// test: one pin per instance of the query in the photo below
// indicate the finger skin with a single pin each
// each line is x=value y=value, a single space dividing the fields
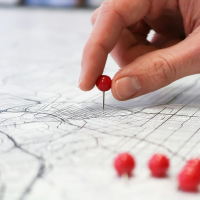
x=94 y=16
x=161 y=67
x=113 y=17
x=134 y=36
x=117 y=28
x=131 y=43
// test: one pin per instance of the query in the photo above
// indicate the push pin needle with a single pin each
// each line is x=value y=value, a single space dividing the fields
x=103 y=99
x=104 y=84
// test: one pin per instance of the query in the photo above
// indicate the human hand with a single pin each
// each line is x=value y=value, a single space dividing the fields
x=121 y=28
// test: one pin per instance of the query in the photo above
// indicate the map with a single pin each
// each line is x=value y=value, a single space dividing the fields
x=57 y=143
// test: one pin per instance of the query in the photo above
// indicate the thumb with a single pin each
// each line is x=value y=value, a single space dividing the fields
x=158 y=69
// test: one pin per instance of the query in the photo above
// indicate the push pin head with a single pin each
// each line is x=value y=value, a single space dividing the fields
x=189 y=178
x=159 y=165
x=104 y=84
x=124 y=164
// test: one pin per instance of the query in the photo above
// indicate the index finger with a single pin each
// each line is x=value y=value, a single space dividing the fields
x=113 y=17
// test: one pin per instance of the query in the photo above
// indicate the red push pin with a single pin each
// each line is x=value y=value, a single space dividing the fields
x=124 y=164
x=189 y=178
x=159 y=165
x=195 y=162
x=104 y=84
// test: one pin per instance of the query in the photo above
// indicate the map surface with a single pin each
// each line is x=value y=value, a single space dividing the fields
x=56 y=142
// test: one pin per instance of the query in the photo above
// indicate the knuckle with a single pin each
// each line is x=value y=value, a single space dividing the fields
x=161 y=71
x=113 y=6
x=93 y=18
x=105 y=8
x=107 y=5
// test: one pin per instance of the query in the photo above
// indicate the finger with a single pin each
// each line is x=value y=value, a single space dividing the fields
x=125 y=51
x=157 y=69
x=131 y=54
x=132 y=44
x=140 y=28
x=113 y=17
x=161 y=41
x=129 y=47
x=94 y=16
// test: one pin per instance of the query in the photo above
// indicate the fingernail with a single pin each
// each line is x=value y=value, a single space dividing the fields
x=80 y=80
x=127 y=87
x=79 y=83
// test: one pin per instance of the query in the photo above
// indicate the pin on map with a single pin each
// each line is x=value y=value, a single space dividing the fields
x=124 y=164
x=104 y=84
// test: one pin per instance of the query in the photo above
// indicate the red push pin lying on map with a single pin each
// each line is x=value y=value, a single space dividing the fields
x=124 y=164
x=195 y=162
x=104 y=84
x=159 y=165
x=189 y=177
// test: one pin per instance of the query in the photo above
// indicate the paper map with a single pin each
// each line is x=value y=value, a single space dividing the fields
x=56 y=142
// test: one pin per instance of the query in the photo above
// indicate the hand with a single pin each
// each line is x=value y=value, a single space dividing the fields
x=121 y=27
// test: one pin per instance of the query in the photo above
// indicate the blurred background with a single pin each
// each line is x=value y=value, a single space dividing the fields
x=52 y=3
